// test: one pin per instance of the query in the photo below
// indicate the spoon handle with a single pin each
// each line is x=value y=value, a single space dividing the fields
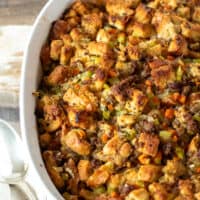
x=27 y=189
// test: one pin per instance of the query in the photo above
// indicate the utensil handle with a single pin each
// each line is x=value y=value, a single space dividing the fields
x=27 y=189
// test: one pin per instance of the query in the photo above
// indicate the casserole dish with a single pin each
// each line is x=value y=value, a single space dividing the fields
x=31 y=73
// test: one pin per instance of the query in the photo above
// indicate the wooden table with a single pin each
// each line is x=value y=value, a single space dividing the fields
x=19 y=15
x=16 y=19
x=19 y=12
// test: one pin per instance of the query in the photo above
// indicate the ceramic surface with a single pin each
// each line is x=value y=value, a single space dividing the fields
x=31 y=74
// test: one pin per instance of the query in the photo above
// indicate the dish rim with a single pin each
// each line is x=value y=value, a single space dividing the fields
x=34 y=158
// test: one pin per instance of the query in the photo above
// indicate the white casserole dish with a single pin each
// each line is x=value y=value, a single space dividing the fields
x=31 y=73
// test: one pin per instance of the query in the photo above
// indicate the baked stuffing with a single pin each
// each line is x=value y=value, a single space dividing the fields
x=118 y=107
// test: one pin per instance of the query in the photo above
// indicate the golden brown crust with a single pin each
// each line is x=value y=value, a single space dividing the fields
x=148 y=144
x=143 y=14
x=99 y=48
x=149 y=173
x=92 y=23
x=58 y=75
x=186 y=189
x=79 y=118
x=158 y=191
x=84 y=169
x=75 y=140
x=59 y=29
x=55 y=50
x=81 y=97
x=80 y=7
x=165 y=28
x=142 y=30
x=178 y=46
x=45 y=55
x=50 y=163
x=65 y=54
x=191 y=30
x=196 y=14
x=134 y=52
x=163 y=75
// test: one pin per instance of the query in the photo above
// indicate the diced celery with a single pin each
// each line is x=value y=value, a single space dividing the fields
x=106 y=114
x=197 y=117
x=121 y=112
x=106 y=86
x=180 y=153
x=179 y=74
x=56 y=90
x=65 y=86
x=157 y=161
x=86 y=75
x=165 y=135
x=109 y=166
x=196 y=60
x=128 y=133
x=156 y=121
x=110 y=189
x=99 y=190
x=188 y=60
x=140 y=183
x=95 y=59
x=131 y=134
x=152 y=43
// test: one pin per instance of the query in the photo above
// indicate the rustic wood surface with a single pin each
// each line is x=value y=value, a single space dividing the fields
x=19 y=12
x=16 y=18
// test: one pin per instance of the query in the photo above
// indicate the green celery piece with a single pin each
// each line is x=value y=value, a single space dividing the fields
x=99 y=190
x=106 y=114
x=179 y=74
x=189 y=60
x=197 y=117
x=180 y=152
x=86 y=75
x=165 y=135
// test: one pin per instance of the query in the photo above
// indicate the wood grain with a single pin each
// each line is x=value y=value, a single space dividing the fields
x=15 y=12
x=10 y=62
x=15 y=18
x=15 y=15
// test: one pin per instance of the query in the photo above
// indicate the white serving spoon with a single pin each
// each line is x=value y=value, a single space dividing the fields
x=13 y=167
x=5 y=192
